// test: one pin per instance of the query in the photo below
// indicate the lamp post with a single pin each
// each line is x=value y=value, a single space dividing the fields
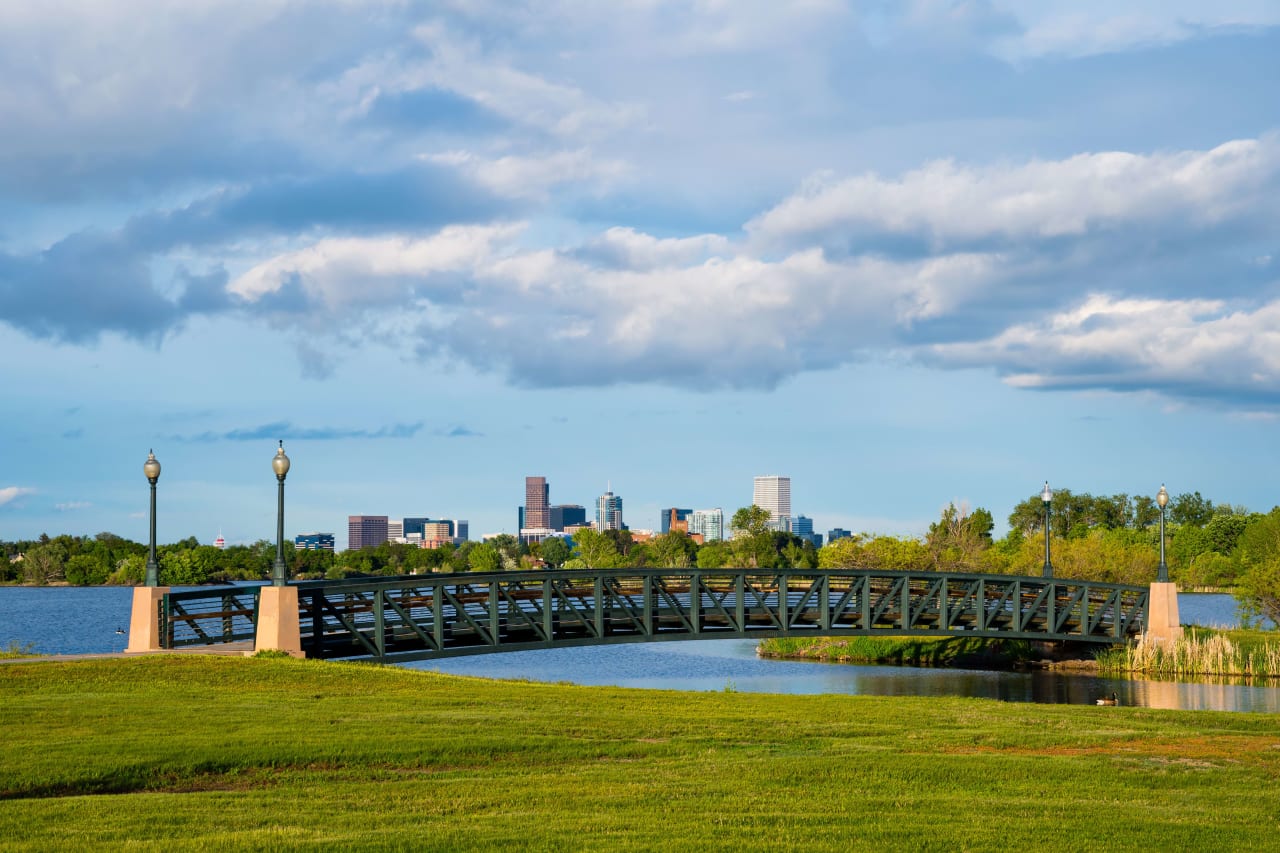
x=1047 y=497
x=1162 y=575
x=152 y=469
x=279 y=573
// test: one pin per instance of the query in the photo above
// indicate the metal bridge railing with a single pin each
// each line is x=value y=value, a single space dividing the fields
x=202 y=617
x=417 y=617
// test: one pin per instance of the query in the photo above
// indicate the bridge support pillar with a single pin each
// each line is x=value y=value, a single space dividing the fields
x=278 y=626
x=1163 y=626
x=144 y=619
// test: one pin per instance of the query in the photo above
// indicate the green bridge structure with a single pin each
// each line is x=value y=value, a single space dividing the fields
x=420 y=617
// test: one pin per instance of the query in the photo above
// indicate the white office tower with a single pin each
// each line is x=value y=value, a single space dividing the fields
x=774 y=494
x=395 y=531
x=708 y=522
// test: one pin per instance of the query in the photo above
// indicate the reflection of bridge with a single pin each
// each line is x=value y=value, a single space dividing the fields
x=443 y=615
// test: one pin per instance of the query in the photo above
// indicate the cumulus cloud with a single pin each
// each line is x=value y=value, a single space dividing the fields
x=1196 y=348
x=950 y=204
x=9 y=494
x=709 y=310
x=93 y=282
x=558 y=192
x=626 y=307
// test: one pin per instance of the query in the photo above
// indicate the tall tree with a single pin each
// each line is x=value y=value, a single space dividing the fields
x=595 y=550
x=1190 y=508
x=753 y=544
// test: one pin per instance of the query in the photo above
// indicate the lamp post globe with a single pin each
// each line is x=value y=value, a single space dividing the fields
x=280 y=465
x=1162 y=574
x=1047 y=497
x=151 y=468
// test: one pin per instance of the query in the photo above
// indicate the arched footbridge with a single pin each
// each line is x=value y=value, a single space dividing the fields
x=420 y=617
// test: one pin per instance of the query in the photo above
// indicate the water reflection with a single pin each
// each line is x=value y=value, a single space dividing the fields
x=732 y=664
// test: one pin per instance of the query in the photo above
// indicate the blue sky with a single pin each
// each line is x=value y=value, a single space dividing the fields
x=906 y=253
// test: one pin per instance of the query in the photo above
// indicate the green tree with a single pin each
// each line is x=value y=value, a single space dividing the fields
x=714 y=555
x=842 y=554
x=43 y=564
x=87 y=569
x=673 y=550
x=484 y=557
x=898 y=553
x=595 y=550
x=555 y=551
x=959 y=537
x=1190 y=509
x=130 y=570
x=1259 y=591
x=752 y=543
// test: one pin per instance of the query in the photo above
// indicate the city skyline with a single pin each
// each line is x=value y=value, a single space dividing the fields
x=908 y=254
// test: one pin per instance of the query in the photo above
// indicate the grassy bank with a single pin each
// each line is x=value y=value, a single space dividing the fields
x=1200 y=652
x=907 y=651
x=228 y=753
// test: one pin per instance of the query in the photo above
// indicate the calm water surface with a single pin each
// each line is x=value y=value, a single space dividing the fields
x=72 y=620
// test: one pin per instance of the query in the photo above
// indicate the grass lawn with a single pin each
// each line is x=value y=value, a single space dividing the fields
x=226 y=753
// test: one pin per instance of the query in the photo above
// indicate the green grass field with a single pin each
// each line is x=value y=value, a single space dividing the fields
x=223 y=753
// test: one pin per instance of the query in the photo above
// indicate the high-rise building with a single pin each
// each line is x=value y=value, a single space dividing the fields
x=414 y=525
x=837 y=533
x=774 y=494
x=803 y=527
x=436 y=533
x=395 y=530
x=672 y=518
x=537 y=502
x=609 y=511
x=313 y=542
x=366 y=531
x=461 y=530
x=567 y=515
x=708 y=523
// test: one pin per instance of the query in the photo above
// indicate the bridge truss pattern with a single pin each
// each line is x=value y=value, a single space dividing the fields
x=444 y=615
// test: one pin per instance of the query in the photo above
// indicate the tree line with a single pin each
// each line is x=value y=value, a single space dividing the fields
x=1113 y=538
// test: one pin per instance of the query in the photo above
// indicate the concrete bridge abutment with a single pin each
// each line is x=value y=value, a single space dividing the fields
x=144 y=619
x=278 y=623
x=1163 y=626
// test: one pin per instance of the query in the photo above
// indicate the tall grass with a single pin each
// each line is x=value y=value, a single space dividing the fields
x=908 y=651
x=16 y=650
x=1199 y=652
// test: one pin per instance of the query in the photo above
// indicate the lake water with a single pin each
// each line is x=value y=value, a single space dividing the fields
x=74 y=620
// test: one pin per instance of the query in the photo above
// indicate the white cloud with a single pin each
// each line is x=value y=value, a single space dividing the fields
x=1191 y=347
x=708 y=309
x=9 y=494
x=71 y=506
x=948 y=203
x=632 y=249
x=534 y=176
x=1075 y=29
x=693 y=311
x=467 y=67
x=354 y=272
